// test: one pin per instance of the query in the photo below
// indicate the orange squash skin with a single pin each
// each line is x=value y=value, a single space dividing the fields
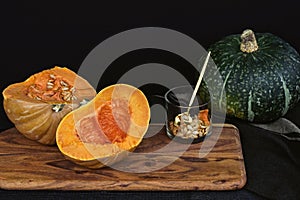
x=71 y=135
x=34 y=112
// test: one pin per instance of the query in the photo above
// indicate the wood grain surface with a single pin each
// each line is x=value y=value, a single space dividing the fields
x=27 y=165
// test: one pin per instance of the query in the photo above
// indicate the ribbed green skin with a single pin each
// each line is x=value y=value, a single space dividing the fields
x=260 y=86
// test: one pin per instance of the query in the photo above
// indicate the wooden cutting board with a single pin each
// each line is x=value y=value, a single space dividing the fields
x=27 y=165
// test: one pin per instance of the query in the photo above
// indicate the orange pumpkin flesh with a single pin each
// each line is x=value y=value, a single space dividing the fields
x=104 y=130
x=37 y=105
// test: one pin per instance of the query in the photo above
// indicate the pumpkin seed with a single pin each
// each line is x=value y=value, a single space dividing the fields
x=195 y=132
x=63 y=83
x=29 y=95
x=188 y=127
x=49 y=86
x=52 y=76
x=65 y=93
x=37 y=98
x=72 y=89
x=67 y=97
x=65 y=88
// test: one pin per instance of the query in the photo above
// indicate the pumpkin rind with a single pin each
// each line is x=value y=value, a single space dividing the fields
x=262 y=85
x=92 y=154
x=35 y=118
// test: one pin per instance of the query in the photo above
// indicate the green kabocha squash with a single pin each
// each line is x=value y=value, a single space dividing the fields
x=261 y=75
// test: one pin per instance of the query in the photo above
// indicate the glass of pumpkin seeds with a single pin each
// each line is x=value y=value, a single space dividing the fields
x=184 y=123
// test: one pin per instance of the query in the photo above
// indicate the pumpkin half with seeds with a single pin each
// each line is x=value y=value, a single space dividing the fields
x=106 y=129
x=37 y=105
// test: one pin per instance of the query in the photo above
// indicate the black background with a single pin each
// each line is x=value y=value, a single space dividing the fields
x=37 y=35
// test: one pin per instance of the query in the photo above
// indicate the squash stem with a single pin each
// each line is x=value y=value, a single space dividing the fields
x=248 y=43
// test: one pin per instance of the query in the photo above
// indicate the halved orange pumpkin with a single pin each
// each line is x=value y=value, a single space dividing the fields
x=106 y=129
x=37 y=105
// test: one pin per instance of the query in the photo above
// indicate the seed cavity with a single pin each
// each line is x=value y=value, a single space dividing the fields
x=55 y=89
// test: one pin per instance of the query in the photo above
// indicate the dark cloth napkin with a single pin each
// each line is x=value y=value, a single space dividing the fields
x=272 y=162
x=272 y=156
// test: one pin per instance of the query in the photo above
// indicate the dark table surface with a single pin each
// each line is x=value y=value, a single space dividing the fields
x=37 y=36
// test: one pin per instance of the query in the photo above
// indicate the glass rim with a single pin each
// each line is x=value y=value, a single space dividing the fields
x=180 y=106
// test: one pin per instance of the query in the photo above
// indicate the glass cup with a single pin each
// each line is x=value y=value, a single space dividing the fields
x=183 y=123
